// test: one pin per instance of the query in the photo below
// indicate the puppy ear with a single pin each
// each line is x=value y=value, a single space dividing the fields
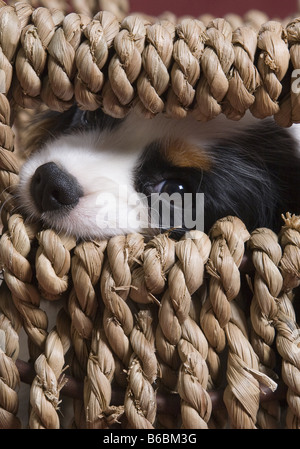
x=34 y=129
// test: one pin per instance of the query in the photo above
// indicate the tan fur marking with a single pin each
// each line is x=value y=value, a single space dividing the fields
x=186 y=155
x=34 y=131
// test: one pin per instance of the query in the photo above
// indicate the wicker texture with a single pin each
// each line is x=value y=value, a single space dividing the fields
x=167 y=310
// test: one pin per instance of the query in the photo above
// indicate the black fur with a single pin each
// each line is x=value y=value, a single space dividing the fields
x=255 y=176
x=57 y=123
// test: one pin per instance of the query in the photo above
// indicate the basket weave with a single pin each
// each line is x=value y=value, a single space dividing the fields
x=151 y=332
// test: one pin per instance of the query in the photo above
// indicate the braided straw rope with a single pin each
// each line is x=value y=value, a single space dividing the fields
x=9 y=349
x=192 y=346
x=140 y=397
x=286 y=324
x=267 y=286
x=136 y=317
x=45 y=388
x=83 y=306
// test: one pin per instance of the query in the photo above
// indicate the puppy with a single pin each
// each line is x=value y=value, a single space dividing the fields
x=94 y=176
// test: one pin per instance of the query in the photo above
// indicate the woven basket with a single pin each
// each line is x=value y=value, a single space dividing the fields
x=157 y=334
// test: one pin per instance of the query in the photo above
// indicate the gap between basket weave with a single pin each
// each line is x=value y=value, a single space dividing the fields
x=166 y=402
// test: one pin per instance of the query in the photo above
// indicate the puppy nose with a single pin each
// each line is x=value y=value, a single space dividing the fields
x=52 y=188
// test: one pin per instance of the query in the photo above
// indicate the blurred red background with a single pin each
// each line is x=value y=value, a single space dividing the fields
x=274 y=8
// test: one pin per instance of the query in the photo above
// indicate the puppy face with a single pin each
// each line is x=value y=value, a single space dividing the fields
x=96 y=177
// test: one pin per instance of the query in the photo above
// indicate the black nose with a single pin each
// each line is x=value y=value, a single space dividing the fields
x=52 y=188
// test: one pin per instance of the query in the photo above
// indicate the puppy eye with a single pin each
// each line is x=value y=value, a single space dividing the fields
x=172 y=186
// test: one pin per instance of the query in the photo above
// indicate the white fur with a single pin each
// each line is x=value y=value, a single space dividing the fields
x=295 y=131
x=98 y=168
